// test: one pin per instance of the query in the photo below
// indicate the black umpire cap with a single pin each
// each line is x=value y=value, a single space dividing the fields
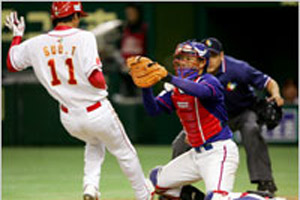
x=213 y=44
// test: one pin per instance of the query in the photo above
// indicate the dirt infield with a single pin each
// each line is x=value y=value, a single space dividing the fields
x=292 y=198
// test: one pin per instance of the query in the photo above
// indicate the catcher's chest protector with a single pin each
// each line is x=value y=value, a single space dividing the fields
x=197 y=121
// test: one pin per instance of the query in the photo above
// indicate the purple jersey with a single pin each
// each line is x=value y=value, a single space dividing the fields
x=238 y=79
x=209 y=93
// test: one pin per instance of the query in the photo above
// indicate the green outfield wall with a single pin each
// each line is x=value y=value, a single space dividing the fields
x=31 y=117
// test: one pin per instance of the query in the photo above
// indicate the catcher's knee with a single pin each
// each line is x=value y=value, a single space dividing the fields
x=153 y=176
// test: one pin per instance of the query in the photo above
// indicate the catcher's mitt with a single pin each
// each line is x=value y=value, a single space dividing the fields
x=144 y=72
x=268 y=113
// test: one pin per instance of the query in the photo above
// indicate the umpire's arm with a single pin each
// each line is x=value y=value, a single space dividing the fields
x=273 y=89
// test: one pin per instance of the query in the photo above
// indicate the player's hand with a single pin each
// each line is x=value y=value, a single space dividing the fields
x=277 y=98
x=15 y=25
x=144 y=72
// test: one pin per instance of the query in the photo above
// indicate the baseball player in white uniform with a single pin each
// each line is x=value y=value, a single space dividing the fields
x=66 y=62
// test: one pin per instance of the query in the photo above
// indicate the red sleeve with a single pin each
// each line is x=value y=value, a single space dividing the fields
x=16 y=41
x=97 y=79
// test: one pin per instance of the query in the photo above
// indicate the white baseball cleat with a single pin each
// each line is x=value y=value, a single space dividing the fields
x=90 y=193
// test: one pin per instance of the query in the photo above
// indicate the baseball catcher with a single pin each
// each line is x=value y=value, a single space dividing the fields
x=245 y=113
x=198 y=99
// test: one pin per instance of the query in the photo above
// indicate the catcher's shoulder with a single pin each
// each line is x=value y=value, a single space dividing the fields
x=210 y=77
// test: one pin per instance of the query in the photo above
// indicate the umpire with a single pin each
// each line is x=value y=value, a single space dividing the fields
x=238 y=79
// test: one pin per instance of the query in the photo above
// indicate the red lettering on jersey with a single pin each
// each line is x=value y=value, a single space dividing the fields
x=46 y=51
x=69 y=63
x=60 y=48
x=73 y=50
x=53 y=49
x=55 y=81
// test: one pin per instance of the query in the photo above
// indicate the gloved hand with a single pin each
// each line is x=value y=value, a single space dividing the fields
x=15 y=25
x=269 y=113
x=144 y=72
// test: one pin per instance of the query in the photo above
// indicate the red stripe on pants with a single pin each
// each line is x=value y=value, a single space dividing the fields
x=222 y=167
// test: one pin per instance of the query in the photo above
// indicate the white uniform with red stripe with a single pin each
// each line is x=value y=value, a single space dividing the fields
x=63 y=60
x=215 y=166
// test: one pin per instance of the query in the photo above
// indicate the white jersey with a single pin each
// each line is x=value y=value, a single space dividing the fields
x=62 y=61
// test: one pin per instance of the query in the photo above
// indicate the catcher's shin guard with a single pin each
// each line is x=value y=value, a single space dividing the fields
x=190 y=192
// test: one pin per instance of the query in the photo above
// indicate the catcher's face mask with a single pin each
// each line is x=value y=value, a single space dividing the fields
x=187 y=61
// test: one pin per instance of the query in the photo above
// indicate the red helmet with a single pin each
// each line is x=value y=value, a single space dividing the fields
x=62 y=9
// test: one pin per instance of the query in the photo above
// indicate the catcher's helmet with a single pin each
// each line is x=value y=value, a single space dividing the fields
x=190 y=48
x=61 y=9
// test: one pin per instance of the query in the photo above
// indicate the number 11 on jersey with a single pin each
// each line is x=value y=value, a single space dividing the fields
x=55 y=79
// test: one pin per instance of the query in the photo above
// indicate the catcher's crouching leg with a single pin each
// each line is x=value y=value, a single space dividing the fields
x=187 y=192
x=190 y=192
x=158 y=190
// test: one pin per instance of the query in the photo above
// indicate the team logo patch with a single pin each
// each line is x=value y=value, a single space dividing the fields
x=231 y=86
x=208 y=43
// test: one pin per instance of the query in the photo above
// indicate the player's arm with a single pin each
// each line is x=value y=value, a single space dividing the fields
x=156 y=105
x=202 y=90
x=260 y=81
x=97 y=79
x=145 y=73
x=273 y=89
x=17 y=27
x=92 y=63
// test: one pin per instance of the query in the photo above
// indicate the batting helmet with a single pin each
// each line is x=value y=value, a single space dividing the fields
x=190 y=48
x=61 y=9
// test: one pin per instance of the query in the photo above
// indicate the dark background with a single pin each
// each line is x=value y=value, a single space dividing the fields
x=263 y=34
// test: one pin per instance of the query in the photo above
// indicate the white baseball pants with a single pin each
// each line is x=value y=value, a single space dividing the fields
x=216 y=167
x=102 y=128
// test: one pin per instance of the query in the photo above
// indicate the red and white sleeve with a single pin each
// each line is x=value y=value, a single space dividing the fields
x=93 y=65
x=18 y=55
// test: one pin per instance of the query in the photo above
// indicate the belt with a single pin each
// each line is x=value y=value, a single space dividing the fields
x=202 y=148
x=88 y=109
